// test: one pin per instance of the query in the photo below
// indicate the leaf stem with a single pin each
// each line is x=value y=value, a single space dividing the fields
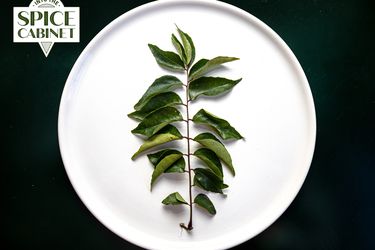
x=189 y=227
x=187 y=138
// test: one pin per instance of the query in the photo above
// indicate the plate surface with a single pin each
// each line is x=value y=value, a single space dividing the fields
x=272 y=108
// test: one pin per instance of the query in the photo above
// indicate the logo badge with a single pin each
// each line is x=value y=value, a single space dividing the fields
x=46 y=22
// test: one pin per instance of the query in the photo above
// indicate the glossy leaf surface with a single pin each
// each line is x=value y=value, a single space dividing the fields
x=211 y=160
x=176 y=167
x=157 y=120
x=203 y=201
x=167 y=59
x=211 y=142
x=179 y=48
x=166 y=134
x=207 y=180
x=188 y=45
x=204 y=65
x=174 y=199
x=197 y=66
x=210 y=86
x=163 y=165
x=220 y=126
x=155 y=103
x=161 y=85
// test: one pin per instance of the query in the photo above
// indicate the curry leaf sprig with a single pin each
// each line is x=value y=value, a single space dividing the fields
x=156 y=111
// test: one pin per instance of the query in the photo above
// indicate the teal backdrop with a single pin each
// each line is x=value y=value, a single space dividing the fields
x=334 y=42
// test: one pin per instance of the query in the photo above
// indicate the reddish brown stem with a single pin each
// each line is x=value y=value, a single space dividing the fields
x=189 y=227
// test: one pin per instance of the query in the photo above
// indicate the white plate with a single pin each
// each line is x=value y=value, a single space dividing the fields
x=272 y=107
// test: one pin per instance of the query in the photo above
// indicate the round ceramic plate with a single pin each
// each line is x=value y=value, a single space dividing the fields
x=272 y=107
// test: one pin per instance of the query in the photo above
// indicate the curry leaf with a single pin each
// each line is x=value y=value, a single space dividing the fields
x=166 y=134
x=197 y=66
x=203 y=201
x=156 y=111
x=176 y=167
x=204 y=65
x=157 y=120
x=211 y=142
x=179 y=48
x=211 y=160
x=155 y=158
x=220 y=126
x=210 y=86
x=167 y=59
x=155 y=103
x=174 y=199
x=189 y=47
x=207 y=180
x=161 y=85
x=163 y=165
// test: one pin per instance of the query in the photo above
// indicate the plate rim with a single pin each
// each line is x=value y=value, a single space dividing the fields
x=240 y=238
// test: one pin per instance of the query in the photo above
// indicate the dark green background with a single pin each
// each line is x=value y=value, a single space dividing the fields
x=333 y=40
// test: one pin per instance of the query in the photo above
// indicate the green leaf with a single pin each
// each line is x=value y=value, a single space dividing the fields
x=155 y=103
x=189 y=47
x=161 y=85
x=179 y=48
x=163 y=165
x=210 y=86
x=177 y=167
x=203 y=201
x=166 y=134
x=198 y=65
x=211 y=160
x=155 y=158
x=207 y=180
x=157 y=120
x=220 y=126
x=211 y=142
x=174 y=199
x=167 y=59
x=204 y=65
